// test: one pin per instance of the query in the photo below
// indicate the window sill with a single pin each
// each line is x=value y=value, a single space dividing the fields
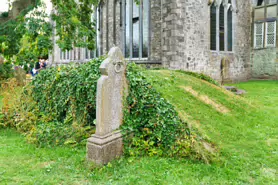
x=143 y=61
x=221 y=52
x=269 y=47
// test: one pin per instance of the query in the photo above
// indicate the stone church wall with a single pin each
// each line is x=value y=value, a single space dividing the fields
x=186 y=39
x=264 y=64
x=180 y=37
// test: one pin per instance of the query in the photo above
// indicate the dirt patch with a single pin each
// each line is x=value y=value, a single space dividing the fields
x=218 y=107
x=187 y=118
x=193 y=124
x=209 y=147
x=45 y=164
x=272 y=142
x=269 y=173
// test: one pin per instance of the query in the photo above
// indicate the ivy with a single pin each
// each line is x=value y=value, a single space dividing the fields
x=153 y=127
x=58 y=107
x=6 y=71
x=68 y=92
x=4 y=15
x=151 y=120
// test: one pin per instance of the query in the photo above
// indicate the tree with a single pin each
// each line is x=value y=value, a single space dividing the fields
x=73 y=23
x=29 y=35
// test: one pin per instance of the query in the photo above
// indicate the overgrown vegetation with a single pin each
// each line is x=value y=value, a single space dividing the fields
x=246 y=137
x=4 y=15
x=58 y=107
x=153 y=127
x=6 y=71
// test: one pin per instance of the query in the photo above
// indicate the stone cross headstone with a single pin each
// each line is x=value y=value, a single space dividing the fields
x=106 y=144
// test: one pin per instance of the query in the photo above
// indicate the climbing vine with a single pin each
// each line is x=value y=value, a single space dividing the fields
x=58 y=107
x=153 y=127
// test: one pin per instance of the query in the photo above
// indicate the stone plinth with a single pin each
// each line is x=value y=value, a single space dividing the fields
x=102 y=149
x=106 y=144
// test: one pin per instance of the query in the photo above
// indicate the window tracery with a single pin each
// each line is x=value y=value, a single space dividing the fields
x=221 y=25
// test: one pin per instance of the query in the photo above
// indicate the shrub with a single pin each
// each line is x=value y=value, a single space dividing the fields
x=4 y=14
x=68 y=90
x=58 y=107
x=6 y=71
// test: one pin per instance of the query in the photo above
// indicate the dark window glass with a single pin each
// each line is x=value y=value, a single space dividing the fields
x=260 y=2
x=135 y=25
x=230 y=30
x=136 y=28
x=213 y=27
x=222 y=28
x=127 y=28
x=145 y=28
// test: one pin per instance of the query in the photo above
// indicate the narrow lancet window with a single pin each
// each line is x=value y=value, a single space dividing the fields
x=213 y=27
x=230 y=29
x=222 y=28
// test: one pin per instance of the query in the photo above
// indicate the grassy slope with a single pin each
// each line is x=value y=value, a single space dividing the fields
x=246 y=137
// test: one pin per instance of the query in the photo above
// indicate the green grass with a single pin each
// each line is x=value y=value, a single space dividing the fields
x=246 y=137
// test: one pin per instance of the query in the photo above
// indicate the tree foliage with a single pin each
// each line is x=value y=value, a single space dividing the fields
x=74 y=23
x=36 y=33
x=26 y=37
x=29 y=35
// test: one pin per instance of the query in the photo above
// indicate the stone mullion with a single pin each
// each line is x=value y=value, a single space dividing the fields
x=123 y=14
x=217 y=28
x=141 y=29
x=130 y=29
x=265 y=26
x=226 y=28
x=277 y=26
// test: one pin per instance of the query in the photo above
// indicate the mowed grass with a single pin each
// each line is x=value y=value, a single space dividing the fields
x=246 y=137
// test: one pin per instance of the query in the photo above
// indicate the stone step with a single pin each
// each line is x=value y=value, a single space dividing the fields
x=235 y=90
x=231 y=88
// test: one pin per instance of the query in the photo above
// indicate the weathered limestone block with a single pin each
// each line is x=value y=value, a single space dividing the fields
x=106 y=144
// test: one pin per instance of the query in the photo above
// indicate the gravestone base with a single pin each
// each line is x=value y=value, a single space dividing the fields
x=103 y=149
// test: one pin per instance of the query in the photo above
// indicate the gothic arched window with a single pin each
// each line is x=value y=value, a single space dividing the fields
x=136 y=32
x=213 y=27
x=230 y=29
x=221 y=26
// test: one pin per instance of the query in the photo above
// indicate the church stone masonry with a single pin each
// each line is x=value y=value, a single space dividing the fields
x=178 y=34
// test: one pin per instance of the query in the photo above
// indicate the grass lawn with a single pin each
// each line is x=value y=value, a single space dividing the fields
x=246 y=136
